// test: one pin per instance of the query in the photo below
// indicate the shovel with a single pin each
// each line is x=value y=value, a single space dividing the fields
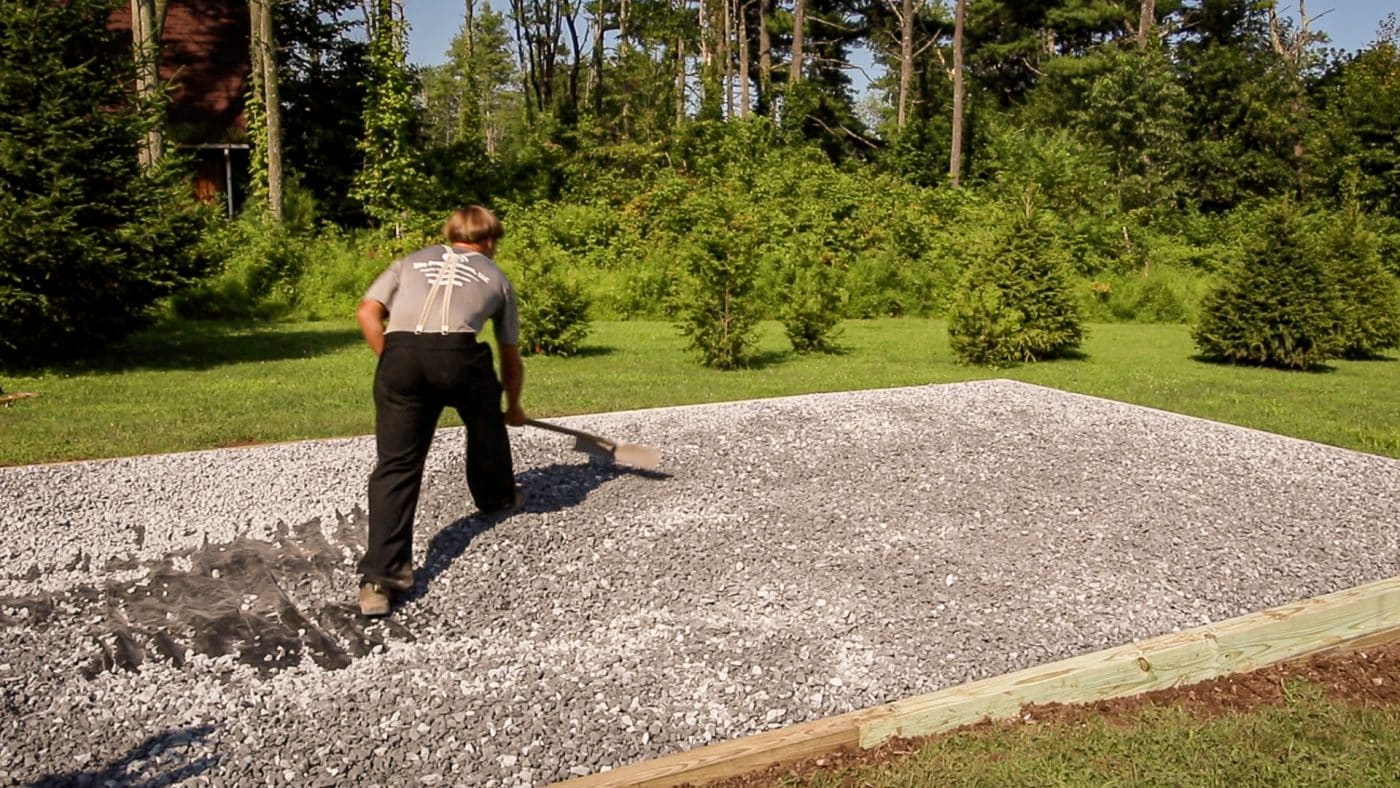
x=633 y=454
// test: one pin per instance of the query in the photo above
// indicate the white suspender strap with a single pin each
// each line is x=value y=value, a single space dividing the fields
x=448 y=273
x=432 y=293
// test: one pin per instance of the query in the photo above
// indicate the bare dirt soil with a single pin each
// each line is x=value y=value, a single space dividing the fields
x=1369 y=677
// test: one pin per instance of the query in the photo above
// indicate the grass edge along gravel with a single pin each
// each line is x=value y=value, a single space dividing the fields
x=190 y=386
x=1331 y=719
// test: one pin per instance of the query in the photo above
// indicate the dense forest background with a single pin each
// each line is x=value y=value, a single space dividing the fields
x=652 y=158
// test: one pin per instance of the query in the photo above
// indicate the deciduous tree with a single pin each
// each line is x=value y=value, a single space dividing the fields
x=147 y=26
x=391 y=166
x=265 y=109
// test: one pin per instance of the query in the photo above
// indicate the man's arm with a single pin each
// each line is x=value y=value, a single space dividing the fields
x=371 y=316
x=512 y=380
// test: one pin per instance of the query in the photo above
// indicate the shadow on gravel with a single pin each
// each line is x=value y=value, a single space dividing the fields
x=142 y=767
x=552 y=488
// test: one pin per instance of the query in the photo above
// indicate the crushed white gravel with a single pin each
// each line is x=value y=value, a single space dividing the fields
x=189 y=617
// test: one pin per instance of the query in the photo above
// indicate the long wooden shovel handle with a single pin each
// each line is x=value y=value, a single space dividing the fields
x=625 y=453
x=544 y=425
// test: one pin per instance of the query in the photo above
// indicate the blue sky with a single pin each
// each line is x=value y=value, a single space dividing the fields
x=1352 y=24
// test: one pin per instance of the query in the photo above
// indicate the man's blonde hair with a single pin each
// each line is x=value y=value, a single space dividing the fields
x=471 y=225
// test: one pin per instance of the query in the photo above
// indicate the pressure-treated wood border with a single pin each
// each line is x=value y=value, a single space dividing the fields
x=1363 y=615
x=9 y=399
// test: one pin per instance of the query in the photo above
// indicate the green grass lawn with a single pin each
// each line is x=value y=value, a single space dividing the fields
x=199 y=385
x=1310 y=740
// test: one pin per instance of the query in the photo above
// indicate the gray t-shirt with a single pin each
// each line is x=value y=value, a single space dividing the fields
x=442 y=290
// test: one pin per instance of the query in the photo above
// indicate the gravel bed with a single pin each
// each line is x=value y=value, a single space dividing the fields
x=189 y=617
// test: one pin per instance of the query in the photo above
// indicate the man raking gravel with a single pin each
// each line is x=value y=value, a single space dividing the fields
x=436 y=302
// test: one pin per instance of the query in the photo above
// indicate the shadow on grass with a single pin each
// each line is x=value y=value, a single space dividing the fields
x=769 y=358
x=205 y=345
x=1062 y=357
x=835 y=350
x=1070 y=355
x=1215 y=361
x=137 y=766
x=587 y=351
x=552 y=488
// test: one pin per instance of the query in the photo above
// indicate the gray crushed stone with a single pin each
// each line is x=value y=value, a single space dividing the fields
x=188 y=618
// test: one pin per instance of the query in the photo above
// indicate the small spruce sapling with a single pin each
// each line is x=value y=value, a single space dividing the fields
x=1368 y=298
x=1014 y=302
x=716 y=304
x=1277 y=307
x=553 y=309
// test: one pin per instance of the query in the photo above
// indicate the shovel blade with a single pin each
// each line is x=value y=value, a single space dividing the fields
x=632 y=454
x=637 y=456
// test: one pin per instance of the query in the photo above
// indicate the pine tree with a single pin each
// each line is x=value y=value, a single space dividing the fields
x=1013 y=304
x=716 y=308
x=1368 y=305
x=1277 y=307
x=90 y=238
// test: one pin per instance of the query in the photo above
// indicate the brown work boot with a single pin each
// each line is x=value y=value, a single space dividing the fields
x=374 y=600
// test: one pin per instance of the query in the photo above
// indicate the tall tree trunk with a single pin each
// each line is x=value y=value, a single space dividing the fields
x=702 y=21
x=728 y=56
x=595 y=68
x=1146 y=20
x=1292 y=52
x=744 y=59
x=680 y=80
x=265 y=65
x=147 y=25
x=710 y=18
x=955 y=157
x=571 y=20
x=470 y=120
x=525 y=53
x=799 y=25
x=470 y=30
x=538 y=25
x=765 y=60
x=906 y=58
x=623 y=48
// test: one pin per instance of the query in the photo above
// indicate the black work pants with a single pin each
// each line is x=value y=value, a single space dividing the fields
x=418 y=375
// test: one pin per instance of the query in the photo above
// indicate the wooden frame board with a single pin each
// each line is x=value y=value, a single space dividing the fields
x=1353 y=617
x=9 y=399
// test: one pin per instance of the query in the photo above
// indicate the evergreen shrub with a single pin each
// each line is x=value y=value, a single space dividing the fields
x=92 y=241
x=1013 y=303
x=1277 y=307
x=553 y=307
x=1368 y=305
x=715 y=301
x=811 y=307
x=1387 y=229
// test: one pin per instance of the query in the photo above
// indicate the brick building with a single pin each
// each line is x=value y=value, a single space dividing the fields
x=205 y=63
